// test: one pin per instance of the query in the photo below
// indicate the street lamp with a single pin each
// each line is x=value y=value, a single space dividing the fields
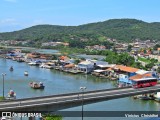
x=3 y=74
x=82 y=88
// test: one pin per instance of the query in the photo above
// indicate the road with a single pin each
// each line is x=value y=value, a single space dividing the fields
x=107 y=94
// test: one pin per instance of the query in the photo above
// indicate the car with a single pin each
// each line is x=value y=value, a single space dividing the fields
x=3 y=118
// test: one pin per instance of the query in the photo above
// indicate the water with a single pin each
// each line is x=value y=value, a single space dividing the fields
x=57 y=82
x=47 y=51
x=43 y=51
x=98 y=57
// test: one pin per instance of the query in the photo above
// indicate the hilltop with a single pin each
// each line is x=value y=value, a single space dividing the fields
x=123 y=30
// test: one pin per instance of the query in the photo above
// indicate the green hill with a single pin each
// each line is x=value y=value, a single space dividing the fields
x=120 y=29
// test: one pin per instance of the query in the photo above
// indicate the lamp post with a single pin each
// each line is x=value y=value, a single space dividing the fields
x=82 y=88
x=3 y=74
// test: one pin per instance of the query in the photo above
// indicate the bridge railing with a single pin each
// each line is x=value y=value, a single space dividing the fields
x=66 y=94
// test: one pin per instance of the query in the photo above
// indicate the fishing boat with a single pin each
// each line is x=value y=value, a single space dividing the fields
x=36 y=85
x=26 y=73
x=11 y=95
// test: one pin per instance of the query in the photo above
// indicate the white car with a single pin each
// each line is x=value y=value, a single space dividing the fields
x=5 y=118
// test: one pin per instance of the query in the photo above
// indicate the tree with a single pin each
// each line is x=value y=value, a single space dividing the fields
x=76 y=61
x=158 y=69
x=125 y=59
x=156 y=46
x=129 y=48
x=149 y=65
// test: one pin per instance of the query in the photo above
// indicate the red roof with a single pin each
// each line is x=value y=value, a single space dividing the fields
x=137 y=77
x=126 y=68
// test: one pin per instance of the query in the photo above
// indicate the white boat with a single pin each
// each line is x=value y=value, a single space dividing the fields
x=42 y=65
x=33 y=63
x=45 y=65
x=26 y=73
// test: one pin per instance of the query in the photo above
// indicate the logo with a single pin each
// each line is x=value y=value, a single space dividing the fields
x=6 y=116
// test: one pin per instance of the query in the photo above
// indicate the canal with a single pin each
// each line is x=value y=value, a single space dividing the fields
x=57 y=82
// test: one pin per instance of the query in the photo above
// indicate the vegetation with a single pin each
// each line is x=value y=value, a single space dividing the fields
x=1 y=98
x=88 y=34
x=68 y=51
x=156 y=46
x=1 y=47
x=158 y=70
x=148 y=60
x=144 y=60
x=51 y=117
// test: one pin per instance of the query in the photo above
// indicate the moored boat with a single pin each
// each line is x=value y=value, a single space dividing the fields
x=11 y=95
x=11 y=68
x=143 y=97
x=26 y=73
x=36 y=85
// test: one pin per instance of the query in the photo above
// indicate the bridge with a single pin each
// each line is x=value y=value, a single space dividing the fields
x=63 y=101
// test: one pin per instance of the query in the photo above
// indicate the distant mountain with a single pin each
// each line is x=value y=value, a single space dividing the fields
x=120 y=29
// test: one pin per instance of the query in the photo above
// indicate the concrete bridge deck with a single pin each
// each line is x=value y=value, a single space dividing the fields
x=62 y=101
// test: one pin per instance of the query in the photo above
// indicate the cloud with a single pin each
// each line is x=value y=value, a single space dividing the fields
x=10 y=21
x=9 y=24
x=11 y=0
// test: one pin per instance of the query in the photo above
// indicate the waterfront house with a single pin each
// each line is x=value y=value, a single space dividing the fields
x=86 y=66
x=141 y=77
x=68 y=67
x=99 y=72
x=102 y=68
x=102 y=65
x=124 y=72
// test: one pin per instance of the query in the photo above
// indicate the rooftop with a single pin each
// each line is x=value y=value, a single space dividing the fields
x=126 y=68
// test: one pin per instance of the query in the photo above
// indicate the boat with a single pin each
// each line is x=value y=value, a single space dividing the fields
x=32 y=63
x=26 y=73
x=35 y=63
x=157 y=97
x=143 y=97
x=11 y=95
x=36 y=85
x=47 y=66
x=11 y=68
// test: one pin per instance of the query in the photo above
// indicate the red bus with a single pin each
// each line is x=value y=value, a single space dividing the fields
x=145 y=82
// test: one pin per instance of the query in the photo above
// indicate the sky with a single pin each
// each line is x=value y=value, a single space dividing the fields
x=19 y=14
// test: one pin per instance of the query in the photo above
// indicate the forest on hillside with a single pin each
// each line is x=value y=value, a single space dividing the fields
x=124 y=30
